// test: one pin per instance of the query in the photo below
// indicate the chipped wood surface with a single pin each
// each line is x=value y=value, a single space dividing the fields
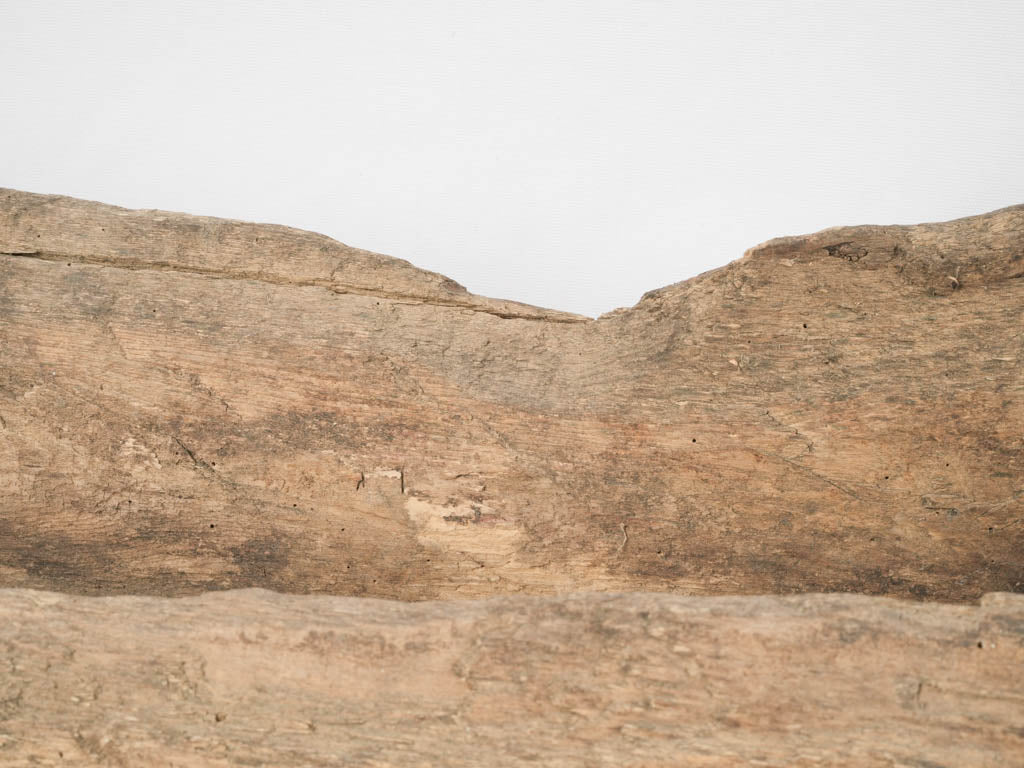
x=256 y=678
x=192 y=404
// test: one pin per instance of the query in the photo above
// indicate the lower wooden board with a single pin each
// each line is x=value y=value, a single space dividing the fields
x=253 y=677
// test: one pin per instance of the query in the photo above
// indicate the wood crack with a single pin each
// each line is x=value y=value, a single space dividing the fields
x=327 y=283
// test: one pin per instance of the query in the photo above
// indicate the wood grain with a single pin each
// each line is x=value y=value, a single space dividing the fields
x=191 y=404
x=257 y=678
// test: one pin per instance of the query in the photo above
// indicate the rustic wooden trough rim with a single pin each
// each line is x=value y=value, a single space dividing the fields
x=163 y=308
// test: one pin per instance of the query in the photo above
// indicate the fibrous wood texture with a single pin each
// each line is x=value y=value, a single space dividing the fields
x=192 y=404
x=256 y=678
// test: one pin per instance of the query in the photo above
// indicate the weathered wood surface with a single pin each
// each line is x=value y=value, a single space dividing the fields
x=190 y=404
x=257 y=678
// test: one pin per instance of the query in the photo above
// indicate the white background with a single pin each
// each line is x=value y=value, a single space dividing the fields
x=567 y=154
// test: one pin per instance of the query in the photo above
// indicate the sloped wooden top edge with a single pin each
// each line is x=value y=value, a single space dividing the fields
x=61 y=228
x=979 y=249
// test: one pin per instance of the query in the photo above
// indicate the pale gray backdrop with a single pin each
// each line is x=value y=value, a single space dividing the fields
x=571 y=154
